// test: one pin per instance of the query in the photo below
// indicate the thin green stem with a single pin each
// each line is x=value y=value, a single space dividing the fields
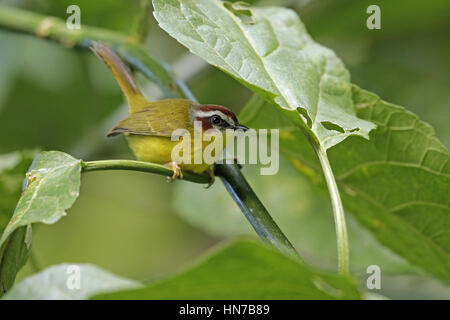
x=338 y=211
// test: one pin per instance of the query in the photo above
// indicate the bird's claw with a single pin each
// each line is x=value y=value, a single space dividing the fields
x=212 y=177
x=177 y=173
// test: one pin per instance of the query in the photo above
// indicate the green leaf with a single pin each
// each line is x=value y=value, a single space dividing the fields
x=13 y=167
x=59 y=282
x=274 y=56
x=396 y=184
x=12 y=172
x=241 y=10
x=14 y=255
x=52 y=186
x=246 y=270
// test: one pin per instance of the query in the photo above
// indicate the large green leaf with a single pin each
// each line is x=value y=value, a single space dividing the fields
x=52 y=186
x=60 y=282
x=269 y=50
x=246 y=270
x=397 y=184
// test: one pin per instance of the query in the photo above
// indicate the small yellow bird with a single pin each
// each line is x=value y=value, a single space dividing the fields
x=149 y=126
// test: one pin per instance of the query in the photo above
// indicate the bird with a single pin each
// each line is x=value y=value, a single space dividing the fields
x=150 y=124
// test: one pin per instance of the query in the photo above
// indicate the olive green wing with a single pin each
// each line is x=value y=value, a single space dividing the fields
x=160 y=119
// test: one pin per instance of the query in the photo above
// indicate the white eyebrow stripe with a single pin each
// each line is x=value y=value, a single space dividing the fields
x=206 y=114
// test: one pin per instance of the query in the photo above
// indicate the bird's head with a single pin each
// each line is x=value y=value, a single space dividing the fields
x=217 y=117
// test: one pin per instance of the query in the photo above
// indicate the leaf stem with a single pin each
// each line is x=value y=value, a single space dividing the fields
x=338 y=211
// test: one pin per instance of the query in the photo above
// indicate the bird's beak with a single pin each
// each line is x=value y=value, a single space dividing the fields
x=240 y=127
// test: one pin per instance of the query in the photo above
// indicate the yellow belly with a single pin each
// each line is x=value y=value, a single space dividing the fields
x=159 y=150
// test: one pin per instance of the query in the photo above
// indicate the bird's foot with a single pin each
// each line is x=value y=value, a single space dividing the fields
x=212 y=177
x=177 y=174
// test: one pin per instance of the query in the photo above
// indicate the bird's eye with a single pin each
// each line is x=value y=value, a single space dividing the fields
x=216 y=119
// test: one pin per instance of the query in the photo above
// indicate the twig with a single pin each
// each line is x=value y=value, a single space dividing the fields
x=133 y=165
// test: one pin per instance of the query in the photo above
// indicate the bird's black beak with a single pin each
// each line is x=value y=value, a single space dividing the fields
x=240 y=127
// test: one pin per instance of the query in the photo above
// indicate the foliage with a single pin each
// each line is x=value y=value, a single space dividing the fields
x=271 y=53
x=395 y=185
x=238 y=271
x=51 y=187
x=12 y=167
x=233 y=271
x=14 y=253
x=407 y=208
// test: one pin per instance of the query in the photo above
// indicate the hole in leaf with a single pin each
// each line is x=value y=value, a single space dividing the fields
x=241 y=10
x=332 y=126
x=354 y=130
x=304 y=113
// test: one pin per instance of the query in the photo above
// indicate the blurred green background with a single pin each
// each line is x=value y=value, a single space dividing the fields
x=137 y=225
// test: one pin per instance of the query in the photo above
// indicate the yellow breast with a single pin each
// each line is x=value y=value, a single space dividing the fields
x=158 y=149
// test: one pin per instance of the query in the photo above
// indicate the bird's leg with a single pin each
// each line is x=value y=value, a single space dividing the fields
x=176 y=171
x=212 y=177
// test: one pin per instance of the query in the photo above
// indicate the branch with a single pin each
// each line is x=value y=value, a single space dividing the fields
x=134 y=165
x=135 y=54
x=55 y=29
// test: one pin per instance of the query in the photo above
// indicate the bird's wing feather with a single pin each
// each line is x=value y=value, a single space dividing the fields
x=160 y=119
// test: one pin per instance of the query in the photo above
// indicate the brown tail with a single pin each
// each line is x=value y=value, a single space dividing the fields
x=136 y=101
